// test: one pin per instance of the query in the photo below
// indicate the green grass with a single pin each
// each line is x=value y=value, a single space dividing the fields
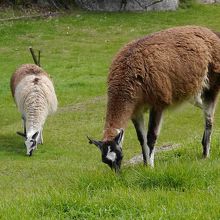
x=65 y=178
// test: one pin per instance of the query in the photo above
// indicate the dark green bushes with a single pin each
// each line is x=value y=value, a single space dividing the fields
x=186 y=3
x=58 y=4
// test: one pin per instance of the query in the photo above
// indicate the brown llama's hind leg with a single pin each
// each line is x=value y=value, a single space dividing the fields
x=155 y=119
x=209 y=102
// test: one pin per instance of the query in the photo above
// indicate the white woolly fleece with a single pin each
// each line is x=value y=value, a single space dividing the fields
x=35 y=100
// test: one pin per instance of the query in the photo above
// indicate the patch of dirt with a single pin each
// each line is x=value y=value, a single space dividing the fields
x=139 y=158
x=81 y=105
x=44 y=15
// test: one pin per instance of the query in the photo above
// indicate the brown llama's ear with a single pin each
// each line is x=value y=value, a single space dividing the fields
x=118 y=139
x=21 y=134
x=97 y=143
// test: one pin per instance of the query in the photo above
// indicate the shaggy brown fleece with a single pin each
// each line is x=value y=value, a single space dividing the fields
x=159 y=70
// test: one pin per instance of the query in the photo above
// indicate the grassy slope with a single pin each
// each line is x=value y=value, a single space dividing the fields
x=65 y=178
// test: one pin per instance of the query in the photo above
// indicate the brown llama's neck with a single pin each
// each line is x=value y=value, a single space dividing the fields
x=117 y=116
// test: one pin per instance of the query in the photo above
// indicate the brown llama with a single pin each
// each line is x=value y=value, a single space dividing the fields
x=160 y=70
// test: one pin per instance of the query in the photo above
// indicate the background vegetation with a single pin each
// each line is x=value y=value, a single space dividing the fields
x=65 y=178
x=67 y=4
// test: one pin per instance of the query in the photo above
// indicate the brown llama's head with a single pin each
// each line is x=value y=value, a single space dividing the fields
x=111 y=151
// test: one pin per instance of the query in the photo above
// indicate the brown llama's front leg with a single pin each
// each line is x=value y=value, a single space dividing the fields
x=155 y=119
x=140 y=128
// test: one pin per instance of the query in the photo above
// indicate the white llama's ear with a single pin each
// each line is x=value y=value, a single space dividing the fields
x=21 y=134
x=35 y=135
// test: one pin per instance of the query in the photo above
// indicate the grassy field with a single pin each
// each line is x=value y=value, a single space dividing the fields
x=65 y=178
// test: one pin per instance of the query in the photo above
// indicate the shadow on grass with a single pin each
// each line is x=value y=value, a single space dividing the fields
x=12 y=143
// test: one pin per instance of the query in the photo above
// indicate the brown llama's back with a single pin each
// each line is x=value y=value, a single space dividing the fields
x=166 y=67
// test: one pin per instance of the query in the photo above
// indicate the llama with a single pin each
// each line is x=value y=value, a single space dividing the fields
x=160 y=70
x=35 y=98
